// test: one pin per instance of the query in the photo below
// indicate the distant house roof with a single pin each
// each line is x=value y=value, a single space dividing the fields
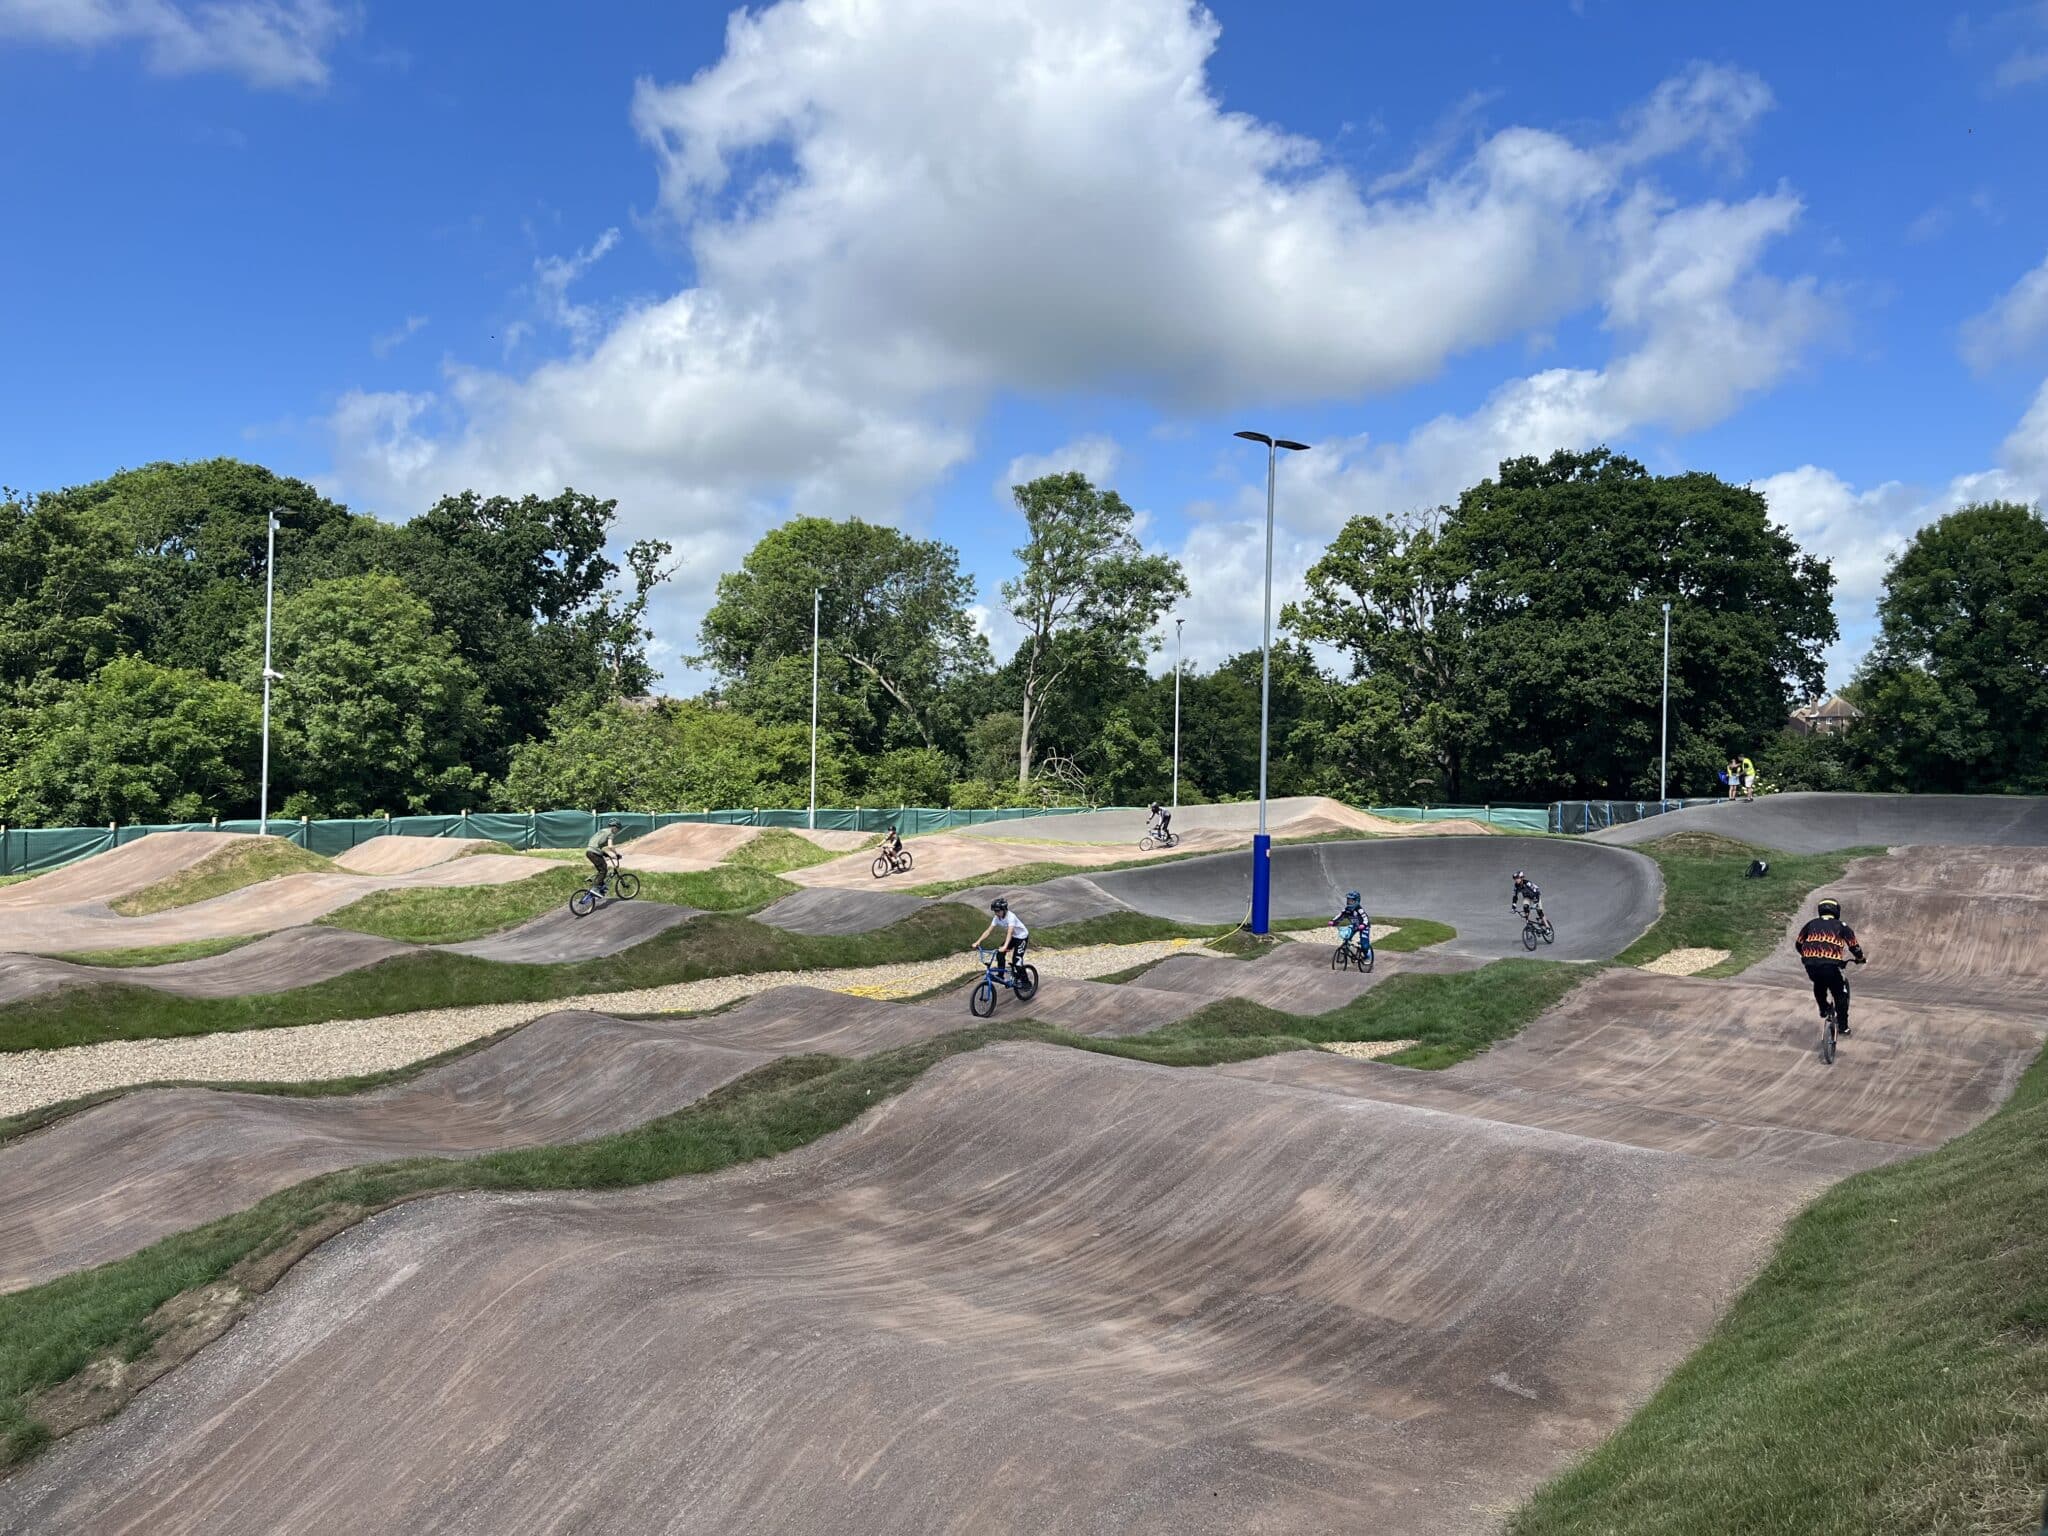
x=1837 y=708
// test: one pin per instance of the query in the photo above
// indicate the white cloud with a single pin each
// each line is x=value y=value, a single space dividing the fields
x=270 y=43
x=1861 y=532
x=553 y=277
x=1095 y=456
x=2012 y=327
x=398 y=336
x=896 y=212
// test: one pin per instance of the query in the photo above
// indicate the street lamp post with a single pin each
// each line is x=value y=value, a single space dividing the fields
x=1262 y=845
x=269 y=595
x=814 y=708
x=1176 y=712
x=1664 y=721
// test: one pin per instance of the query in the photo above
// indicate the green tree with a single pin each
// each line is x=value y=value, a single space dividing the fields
x=680 y=755
x=1519 y=649
x=1955 y=693
x=137 y=743
x=67 y=592
x=375 y=710
x=1087 y=596
x=896 y=636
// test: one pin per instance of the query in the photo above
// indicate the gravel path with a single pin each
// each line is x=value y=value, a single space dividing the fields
x=1684 y=962
x=353 y=1047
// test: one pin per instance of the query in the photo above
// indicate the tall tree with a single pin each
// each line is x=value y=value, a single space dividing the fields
x=896 y=633
x=1520 y=647
x=1087 y=597
x=138 y=742
x=376 y=710
x=68 y=597
x=1955 y=694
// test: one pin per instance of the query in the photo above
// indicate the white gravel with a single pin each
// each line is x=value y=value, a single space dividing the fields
x=1684 y=962
x=353 y=1047
x=1366 y=1050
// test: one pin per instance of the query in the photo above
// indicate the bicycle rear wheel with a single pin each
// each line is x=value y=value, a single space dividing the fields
x=1027 y=983
x=983 y=1002
x=904 y=861
x=1366 y=957
x=583 y=903
x=1549 y=933
x=1827 y=1037
x=627 y=886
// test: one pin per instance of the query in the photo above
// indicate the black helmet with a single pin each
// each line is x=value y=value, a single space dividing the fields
x=613 y=825
x=1351 y=898
x=1521 y=874
x=1000 y=905
x=1831 y=908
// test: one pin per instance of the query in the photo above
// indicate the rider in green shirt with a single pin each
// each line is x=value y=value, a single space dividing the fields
x=603 y=856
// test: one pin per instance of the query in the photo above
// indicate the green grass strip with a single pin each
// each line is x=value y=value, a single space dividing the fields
x=717 y=944
x=453 y=914
x=158 y=954
x=50 y=1332
x=1886 y=1374
x=1710 y=903
x=225 y=869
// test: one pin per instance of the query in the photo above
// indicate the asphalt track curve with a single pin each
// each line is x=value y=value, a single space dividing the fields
x=1041 y=1290
x=1822 y=823
x=112 y=1179
x=1600 y=898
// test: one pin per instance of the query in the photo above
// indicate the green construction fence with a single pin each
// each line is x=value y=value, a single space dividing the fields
x=26 y=850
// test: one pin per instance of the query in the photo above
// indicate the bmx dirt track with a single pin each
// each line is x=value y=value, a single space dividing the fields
x=1042 y=1290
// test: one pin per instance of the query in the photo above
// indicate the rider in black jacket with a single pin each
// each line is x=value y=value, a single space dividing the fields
x=1825 y=945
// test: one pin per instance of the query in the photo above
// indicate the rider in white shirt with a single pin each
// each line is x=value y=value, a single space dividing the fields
x=1015 y=934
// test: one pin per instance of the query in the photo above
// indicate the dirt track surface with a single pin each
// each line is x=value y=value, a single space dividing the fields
x=838 y=911
x=115 y=1178
x=118 y=871
x=261 y=908
x=301 y=957
x=1820 y=823
x=394 y=853
x=1941 y=925
x=1041 y=1291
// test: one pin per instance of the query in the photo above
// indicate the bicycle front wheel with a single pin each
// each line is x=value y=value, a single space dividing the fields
x=1528 y=935
x=880 y=866
x=983 y=1002
x=1340 y=959
x=583 y=903
x=627 y=886
x=1146 y=845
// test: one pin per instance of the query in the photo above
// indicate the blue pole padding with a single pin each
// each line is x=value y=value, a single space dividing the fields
x=1262 y=882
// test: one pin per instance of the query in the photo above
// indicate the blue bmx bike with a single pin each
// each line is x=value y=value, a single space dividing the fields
x=1021 y=979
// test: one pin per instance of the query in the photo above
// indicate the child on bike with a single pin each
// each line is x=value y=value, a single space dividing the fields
x=603 y=856
x=1353 y=923
x=1824 y=945
x=1527 y=890
x=1162 y=822
x=1015 y=935
x=891 y=844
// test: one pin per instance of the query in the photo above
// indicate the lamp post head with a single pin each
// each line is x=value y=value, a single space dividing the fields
x=1255 y=437
x=1281 y=442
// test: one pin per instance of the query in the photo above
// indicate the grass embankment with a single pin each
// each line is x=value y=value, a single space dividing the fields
x=224 y=870
x=159 y=954
x=452 y=914
x=1886 y=1374
x=1710 y=903
x=717 y=944
x=131 y=1310
x=777 y=851
x=17 y=879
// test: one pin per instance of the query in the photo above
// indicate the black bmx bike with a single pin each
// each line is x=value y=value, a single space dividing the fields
x=888 y=863
x=619 y=884
x=1355 y=951
x=1157 y=837
x=1536 y=928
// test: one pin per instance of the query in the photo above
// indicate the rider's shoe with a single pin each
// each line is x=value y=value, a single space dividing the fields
x=1842 y=1030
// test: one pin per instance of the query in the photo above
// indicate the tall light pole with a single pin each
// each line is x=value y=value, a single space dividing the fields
x=814 y=708
x=269 y=595
x=1262 y=845
x=1664 y=724
x=1176 y=711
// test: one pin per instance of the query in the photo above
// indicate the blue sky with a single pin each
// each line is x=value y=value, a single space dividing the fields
x=873 y=258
